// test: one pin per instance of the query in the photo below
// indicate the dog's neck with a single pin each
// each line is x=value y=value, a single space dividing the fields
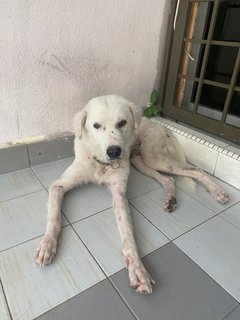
x=115 y=164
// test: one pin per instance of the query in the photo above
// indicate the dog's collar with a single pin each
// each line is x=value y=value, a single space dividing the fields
x=115 y=164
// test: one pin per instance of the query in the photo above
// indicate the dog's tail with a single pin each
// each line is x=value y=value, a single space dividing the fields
x=189 y=182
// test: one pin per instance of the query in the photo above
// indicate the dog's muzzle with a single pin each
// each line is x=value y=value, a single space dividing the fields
x=114 y=152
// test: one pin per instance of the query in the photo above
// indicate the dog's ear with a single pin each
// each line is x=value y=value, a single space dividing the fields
x=136 y=112
x=79 y=121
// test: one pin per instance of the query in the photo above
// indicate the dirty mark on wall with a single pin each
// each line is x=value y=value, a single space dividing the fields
x=53 y=61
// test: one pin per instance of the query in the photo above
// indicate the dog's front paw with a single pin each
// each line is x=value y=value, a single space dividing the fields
x=221 y=196
x=140 y=279
x=46 y=250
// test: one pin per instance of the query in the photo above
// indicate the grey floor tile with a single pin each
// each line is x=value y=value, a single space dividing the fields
x=23 y=218
x=214 y=246
x=182 y=291
x=232 y=215
x=50 y=171
x=4 y=313
x=18 y=183
x=85 y=201
x=203 y=196
x=13 y=158
x=100 y=302
x=235 y=315
x=45 y=151
x=188 y=214
x=101 y=235
x=32 y=290
x=139 y=184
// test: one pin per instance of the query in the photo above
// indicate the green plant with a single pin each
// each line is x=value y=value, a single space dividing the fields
x=153 y=109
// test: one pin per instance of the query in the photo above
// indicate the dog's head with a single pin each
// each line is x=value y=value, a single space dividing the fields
x=108 y=125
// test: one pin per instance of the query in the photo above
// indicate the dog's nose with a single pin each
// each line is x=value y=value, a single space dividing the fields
x=114 y=152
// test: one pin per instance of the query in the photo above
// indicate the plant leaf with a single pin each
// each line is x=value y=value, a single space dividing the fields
x=160 y=109
x=154 y=97
x=156 y=109
x=148 y=112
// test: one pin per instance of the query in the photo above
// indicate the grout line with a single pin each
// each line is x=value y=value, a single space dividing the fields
x=143 y=194
x=195 y=227
x=84 y=218
x=22 y=242
x=215 y=166
x=151 y=222
x=119 y=292
x=44 y=187
x=72 y=225
x=122 y=297
x=85 y=245
x=22 y=195
x=69 y=223
x=175 y=238
x=231 y=311
x=203 y=204
x=35 y=173
x=62 y=303
x=5 y=298
x=196 y=265
x=109 y=276
x=65 y=214
x=29 y=162
x=28 y=240
x=171 y=240
x=225 y=209
x=210 y=276
x=62 y=212
x=229 y=222
x=78 y=294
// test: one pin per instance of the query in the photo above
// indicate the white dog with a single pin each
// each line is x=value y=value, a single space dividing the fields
x=109 y=133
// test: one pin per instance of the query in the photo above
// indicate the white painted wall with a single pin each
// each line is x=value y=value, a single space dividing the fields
x=56 y=55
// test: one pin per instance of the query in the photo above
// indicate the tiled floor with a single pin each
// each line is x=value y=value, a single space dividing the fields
x=193 y=254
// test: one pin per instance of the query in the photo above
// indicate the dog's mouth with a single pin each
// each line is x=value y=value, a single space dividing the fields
x=112 y=163
x=112 y=157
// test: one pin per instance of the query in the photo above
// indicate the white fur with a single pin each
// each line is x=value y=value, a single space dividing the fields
x=152 y=149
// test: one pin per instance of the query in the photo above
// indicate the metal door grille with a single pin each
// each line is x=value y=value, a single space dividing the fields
x=195 y=77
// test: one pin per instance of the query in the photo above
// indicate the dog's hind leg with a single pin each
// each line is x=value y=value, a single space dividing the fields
x=138 y=276
x=48 y=246
x=167 y=182
x=196 y=173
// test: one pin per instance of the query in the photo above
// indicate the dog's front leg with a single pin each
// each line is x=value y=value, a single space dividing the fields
x=48 y=245
x=139 y=277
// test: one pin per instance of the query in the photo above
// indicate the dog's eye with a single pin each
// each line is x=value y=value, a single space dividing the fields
x=121 y=123
x=96 y=125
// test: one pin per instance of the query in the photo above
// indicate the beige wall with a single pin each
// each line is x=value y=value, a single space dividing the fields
x=55 y=55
